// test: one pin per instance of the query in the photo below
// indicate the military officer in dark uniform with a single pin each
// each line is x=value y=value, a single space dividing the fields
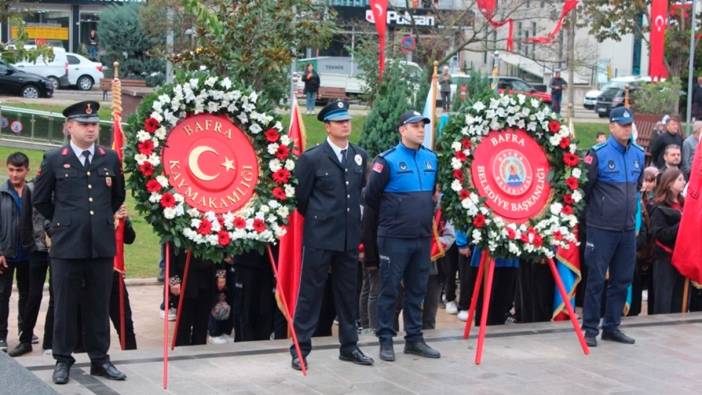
x=330 y=176
x=79 y=188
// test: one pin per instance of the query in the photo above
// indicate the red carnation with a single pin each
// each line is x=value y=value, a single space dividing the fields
x=538 y=241
x=565 y=143
x=258 y=225
x=557 y=235
x=281 y=176
x=223 y=238
x=466 y=144
x=511 y=234
x=167 y=200
x=571 y=160
x=479 y=221
x=239 y=222
x=146 y=147
x=568 y=199
x=458 y=174
x=205 y=227
x=279 y=193
x=568 y=210
x=554 y=126
x=151 y=124
x=272 y=135
x=282 y=152
x=525 y=237
x=153 y=186
x=464 y=194
x=147 y=169
x=572 y=183
x=461 y=156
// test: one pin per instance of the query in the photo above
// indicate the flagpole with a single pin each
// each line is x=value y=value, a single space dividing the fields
x=434 y=85
x=119 y=229
x=691 y=70
x=686 y=293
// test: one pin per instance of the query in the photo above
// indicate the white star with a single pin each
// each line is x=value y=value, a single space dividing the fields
x=228 y=164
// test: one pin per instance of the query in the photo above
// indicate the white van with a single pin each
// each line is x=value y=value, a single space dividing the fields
x=56 y=70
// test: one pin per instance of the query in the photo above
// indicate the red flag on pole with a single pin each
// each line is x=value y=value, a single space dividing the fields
x=688 y=249
x=487 y=8
x=659 y=22
x=117 y=145
x=380 y=8
x=568 y=6
x=290 y=252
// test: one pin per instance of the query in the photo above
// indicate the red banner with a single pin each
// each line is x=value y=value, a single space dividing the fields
x=659 y=22
x=380 y=8
x=487 y=8
x=568 y=6
x=688 y=249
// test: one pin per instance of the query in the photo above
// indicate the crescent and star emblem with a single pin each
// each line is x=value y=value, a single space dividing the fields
x=659 y=22
x=379 y=9
x=193 y=163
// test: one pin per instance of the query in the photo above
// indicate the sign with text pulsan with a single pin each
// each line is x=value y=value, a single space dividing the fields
x=400 y=18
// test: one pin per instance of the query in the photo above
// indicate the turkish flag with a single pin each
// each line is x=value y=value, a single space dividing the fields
x=380 y=12
x=290 y=252
x=687 y=255
x=118 y=146
x=659 y=22
x=487 y=8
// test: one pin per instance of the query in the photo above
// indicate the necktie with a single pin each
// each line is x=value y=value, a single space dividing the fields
x=343 y=157
x=86 y=163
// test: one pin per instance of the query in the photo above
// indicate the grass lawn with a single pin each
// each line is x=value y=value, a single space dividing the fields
x=142 y=257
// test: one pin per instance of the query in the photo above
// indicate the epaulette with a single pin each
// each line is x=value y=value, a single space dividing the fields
x=64 y=151
x=425 y=148
x=382 y=154
x=313 y=147
x=101 y=150
x=633 y=144
x=599 y=146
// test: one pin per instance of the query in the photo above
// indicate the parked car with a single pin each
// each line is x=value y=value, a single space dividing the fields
x=83 y=73
x=514 y=85
x=18 y=82
x=590 y=100
x=55 y=70
x=612 y=98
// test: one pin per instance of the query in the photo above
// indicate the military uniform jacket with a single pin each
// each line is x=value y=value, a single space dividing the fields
x=329 y=196
x=79 y=202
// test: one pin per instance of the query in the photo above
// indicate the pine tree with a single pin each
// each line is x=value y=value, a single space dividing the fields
x=393 y=97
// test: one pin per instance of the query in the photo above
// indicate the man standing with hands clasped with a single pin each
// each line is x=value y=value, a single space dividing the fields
x=79 y=188
x=330 y=177
x=401 y=190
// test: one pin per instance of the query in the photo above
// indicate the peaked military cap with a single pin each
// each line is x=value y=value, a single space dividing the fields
x=337 y=110
x=84 y=112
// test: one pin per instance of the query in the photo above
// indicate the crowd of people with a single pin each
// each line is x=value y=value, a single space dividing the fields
x=370 y=251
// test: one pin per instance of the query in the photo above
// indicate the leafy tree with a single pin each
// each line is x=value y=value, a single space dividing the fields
x=15 y=50
x=255 y=41
x=392 y=98
x=122 y=36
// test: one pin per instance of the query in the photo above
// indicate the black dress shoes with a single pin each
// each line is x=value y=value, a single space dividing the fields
x=422 y=349
x=591 y=341
x=296 y=363
x=107 y=370
x=356 y=356
x=61 y=372
x=20 y=349
x=617 y=336
x=387 y=352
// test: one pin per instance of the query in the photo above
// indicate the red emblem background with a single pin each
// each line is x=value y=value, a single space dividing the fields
x=211 y=162
x=511 y=170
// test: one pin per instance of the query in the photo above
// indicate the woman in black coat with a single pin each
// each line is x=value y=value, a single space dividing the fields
x=665 y=220
x=311 y=80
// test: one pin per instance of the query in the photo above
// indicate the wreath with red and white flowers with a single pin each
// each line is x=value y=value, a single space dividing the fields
x=207 y=234
x=461 y=203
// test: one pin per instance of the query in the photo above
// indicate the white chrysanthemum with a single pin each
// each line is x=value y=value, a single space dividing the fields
x=476 y=236
x=478 y=106
x=290 y=165
x=556 y=208
x=243 y=118
x=248 y=107
x=255 y=128
x=576 y=173
x=143 y=135
x=472 y=210
x=456 y=146
x=216 y=227
x=195 y=223
x=211 y=81
x=157 y=116
x=555 y=140
x=212 y=106
x=155 y=197
x=162 y=180
x=193 y=212
x=226 y=83
x=169 y=212
x=161 y=133
x=154 y=159
x=274 y=165
x=283 y=211
x=577 y=196
x=140 y=159
x=178 y=197
x=456 y=185
x=289 y=190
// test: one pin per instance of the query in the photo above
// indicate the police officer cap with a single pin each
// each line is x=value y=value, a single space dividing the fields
x=338 y=110
x=84 y=112
x=621 y=115
x=413 y=117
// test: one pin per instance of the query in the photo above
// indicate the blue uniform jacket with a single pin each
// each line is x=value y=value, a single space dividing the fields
x=400 y=189
x=614 y=179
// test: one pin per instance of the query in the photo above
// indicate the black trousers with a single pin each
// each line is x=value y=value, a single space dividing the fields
x=253 y=304
x=194 y=319
x=501 y=297
x=643 y=279
x=669 y=285
x=317 y=265
x=38 y=266
x=535 y=290
x=129 y=337
x=85 y=285
x=22 y=269
x=465 y=285
x=448 y=270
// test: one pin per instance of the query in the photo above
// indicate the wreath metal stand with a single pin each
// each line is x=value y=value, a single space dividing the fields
x=487 y=260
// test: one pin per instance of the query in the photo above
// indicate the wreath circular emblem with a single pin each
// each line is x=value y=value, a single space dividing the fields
x=211 y=167
x=511 y=177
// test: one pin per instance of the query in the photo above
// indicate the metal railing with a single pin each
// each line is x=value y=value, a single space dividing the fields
x=43 y=128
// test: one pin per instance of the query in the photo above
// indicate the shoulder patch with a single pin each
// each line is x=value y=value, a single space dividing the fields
x=101 y=150
x=378 y=167
x=599 y=146
x=64 y=151
x=588 y=159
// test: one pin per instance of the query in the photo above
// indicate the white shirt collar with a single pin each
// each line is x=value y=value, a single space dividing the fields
x=79 y=151
x=337 y=149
